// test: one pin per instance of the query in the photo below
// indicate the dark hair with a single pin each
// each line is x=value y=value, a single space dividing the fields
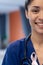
x=27 y=2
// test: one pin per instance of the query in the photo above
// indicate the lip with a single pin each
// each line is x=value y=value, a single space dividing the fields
x=40 y=24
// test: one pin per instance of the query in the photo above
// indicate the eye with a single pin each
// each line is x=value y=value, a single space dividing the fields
x=35 y=11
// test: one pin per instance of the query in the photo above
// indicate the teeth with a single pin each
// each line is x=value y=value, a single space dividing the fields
x=40 y=24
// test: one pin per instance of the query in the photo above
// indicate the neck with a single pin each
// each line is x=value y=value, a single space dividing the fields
x=37 y=38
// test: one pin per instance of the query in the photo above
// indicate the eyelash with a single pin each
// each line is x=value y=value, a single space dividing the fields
x=35 y=11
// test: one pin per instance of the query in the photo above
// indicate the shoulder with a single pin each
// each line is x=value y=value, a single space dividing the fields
x=15 y=46
x=12 y=53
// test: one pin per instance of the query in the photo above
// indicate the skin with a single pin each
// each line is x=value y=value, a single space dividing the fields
x=35 y=16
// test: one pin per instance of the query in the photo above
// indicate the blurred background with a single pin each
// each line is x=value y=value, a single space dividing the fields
x=13 y=23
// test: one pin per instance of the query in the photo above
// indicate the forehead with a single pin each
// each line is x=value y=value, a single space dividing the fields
x=37 y=3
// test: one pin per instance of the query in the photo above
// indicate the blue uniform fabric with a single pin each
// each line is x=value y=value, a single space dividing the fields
x=15 y=52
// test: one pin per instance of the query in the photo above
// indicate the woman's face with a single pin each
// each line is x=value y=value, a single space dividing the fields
x=35 y=15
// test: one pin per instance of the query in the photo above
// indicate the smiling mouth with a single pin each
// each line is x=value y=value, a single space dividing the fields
x=39 y=24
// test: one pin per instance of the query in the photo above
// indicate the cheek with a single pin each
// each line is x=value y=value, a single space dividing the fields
x=32 y=19
x=32 y=16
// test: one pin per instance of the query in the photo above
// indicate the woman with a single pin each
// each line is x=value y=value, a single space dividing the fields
x=28 y=52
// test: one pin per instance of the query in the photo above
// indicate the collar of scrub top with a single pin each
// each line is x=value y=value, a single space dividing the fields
x=31 y=50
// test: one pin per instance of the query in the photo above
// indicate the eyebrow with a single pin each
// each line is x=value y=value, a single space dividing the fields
x=36 y=7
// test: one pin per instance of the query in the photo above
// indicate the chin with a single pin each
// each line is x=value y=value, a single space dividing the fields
x=40 y=31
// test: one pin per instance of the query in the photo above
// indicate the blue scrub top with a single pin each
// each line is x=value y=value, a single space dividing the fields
x=15 y=52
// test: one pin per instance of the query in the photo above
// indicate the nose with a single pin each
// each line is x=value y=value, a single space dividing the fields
x=41 y=16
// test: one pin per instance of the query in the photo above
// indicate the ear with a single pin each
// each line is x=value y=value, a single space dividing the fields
x=26 y=13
